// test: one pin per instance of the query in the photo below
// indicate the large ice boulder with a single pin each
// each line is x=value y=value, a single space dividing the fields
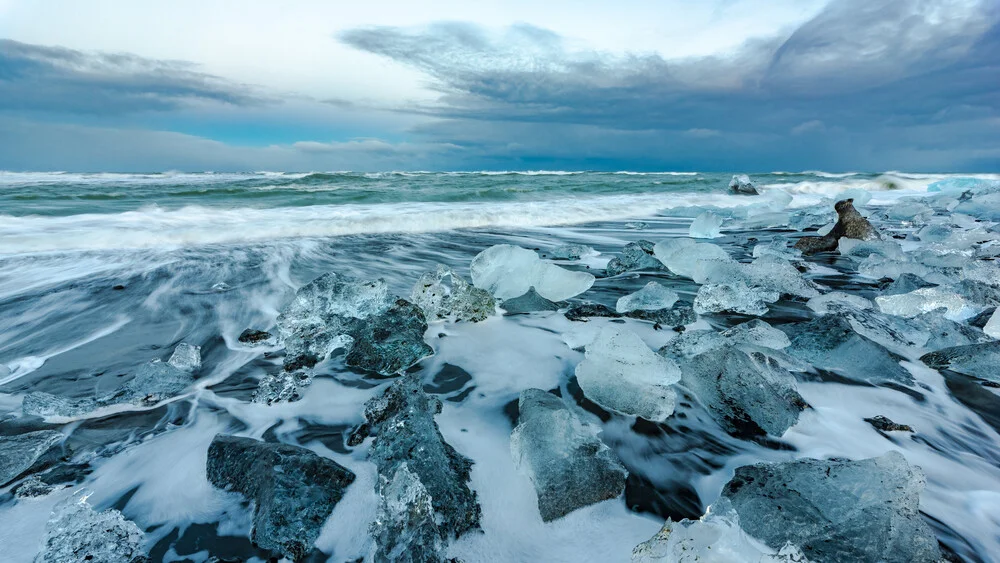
x=837 y=510
x=77 y=533
x=569 y=465
x=293 y=489
x=715 y=538
x=635 y=256
x=830 y=342
x=445 y=295
x=402 y=419
x=620 y=373
x=927 y=299
x=682 y=255
x=980 y=360
x=706 y=225
x=652 y=297
x=742 y=184
x=735 y=297
x=509 y=271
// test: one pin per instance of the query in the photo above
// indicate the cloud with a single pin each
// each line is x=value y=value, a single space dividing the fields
x=37 y=78
x=866 y=73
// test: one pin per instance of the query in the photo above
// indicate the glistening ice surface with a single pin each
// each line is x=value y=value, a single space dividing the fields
x=105 y=277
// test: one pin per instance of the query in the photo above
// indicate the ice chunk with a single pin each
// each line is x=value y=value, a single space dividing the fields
x=910 y=211
x=985 y=207
x=572 y=252
x=735 y=297
x=527 y=303
x=778 y=248
x=281 y=387
x=653 y=296
x=402 y=419
x=978 y=360
x=636 y=255
x=682 y=255
x=822 y=303
x=621 y=373
x=925 y=300
x=742 y=184
x=381 y=333
x=746 y=391
x=509 y=271
x=186 y=357
x=837 y=510
x=676 y=316
x=757 y=333
x=77 y=533
x=405 y=529
x=992 y=327
x=944 y=333
x=768 y=273
x=706 y=225
x=715 y=538
x=23 y=452
x=40 y=403
x=445 y=295
x=904 y=284
x=959 y=184
x=831 y=343
x=568 y=464
x=293 y=489
x=864 y=248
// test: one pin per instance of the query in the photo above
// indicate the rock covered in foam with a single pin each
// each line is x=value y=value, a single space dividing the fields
x=568 y=464
x=293 y=489
x=635 y=256
x=621 y=373
x=830 y=342
x=445 y=295
x=978 y=360
x=402 y=419
x=23 y=452
x=390 y=342
x=706 y=225
x=652 y=297
x=77 y=533
x=743 y=185
x=837 y=510
x=715 y=538
x=509 y=271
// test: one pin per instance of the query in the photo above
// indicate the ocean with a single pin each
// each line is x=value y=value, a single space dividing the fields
x=101 y=273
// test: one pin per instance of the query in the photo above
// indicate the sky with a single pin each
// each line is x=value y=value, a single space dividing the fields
x=307 y=85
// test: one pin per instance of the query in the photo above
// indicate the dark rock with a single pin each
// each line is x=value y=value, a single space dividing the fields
x=980 y=360
x=402 y=419
x=584 y=311
x=528 y=303
x=118 y=287
x=636 y=255
x=742 y=184
x=293 y=489
x=885 y=425
x=568 y=464
x=829 y=342
x=251 y=336
x=837 y=510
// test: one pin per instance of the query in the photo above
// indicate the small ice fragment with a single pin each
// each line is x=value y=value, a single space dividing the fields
x=572 y=252
x=76 y=532
x=509 y=271
x=905 y=283
x=837 y=510
x=405 y=529
x=186 y=358
x=925 y=300
x=821 y=304
x=736 y=297
x=445 y=295
x=652 y=297
x=569 y=465
x=757 y=333
x=715 y=538
x=621 y=373
x=636 y=255
x=706 y=225
x=992 y=327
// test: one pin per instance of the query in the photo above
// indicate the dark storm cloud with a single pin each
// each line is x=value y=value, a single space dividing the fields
x=59 y=80
x=865 y=73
